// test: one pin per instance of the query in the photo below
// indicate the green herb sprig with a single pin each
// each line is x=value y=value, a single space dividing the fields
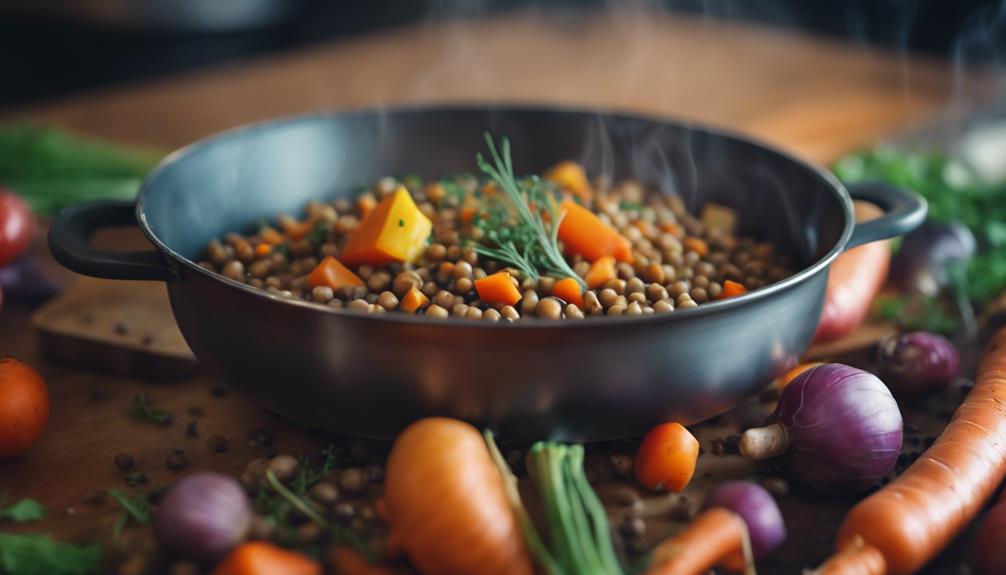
x=137 y=508
x=32 y=554
x=141 y=409
x=23 y=510
x=517 y=234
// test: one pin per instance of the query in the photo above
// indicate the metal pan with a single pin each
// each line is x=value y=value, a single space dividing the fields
x=370 y=375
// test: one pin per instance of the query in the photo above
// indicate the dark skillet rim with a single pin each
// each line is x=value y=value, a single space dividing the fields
x=833 y=184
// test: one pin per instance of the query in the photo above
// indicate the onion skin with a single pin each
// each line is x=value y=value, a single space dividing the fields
x=921 y=263
x=917 y=363
x=844 y=429
x=203 y=517
x=757 y=508
x=989 y=558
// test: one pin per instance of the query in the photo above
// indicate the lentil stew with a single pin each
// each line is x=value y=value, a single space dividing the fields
x=461 y=247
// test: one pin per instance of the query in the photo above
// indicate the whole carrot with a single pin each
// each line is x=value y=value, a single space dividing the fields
x=716 y=536
x=915 y=516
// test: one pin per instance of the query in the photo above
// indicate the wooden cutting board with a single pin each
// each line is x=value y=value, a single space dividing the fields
x=116 y=326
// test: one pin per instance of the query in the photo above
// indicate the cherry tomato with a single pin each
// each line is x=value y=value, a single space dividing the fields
x=666 y=458
x=17 y=226
x=24 y=407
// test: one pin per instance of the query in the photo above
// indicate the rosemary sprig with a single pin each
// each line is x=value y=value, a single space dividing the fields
x=136 y=508
x=532 y=246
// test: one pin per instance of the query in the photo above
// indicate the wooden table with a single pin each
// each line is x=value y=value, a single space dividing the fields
x=818 y=97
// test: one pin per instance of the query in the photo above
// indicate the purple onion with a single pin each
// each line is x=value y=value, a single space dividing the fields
x=921 y=263
x=918 y=362
x=25 y=283
x=836 y=428
x=203 y=516
x=757 y=508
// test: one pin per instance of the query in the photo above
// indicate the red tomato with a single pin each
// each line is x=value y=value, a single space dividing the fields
x=24 y=407
x=17 y=226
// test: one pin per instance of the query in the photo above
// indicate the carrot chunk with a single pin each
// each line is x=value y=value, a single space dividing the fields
x=697 y=245
x=571 y=177
x=601 y=272
x=261 y=558
x=330 y=272
x=263 y=250
x=501 y=287
x=732 y=289
x=581 y=232
x=413 y=300
x=569 y=290
x=394 y=231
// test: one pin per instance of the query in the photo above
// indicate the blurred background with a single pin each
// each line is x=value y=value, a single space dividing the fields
x=56 y=47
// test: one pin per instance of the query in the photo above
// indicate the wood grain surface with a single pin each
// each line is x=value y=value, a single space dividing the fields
x=817 y=97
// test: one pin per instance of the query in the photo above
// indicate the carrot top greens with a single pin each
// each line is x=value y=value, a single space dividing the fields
x=516 y=232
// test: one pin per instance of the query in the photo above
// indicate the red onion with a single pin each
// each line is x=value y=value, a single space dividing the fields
x=25 y=283
x=917 y=362
x=758 y=510
x=203 y=516
x=836 y=428
x=926 y=253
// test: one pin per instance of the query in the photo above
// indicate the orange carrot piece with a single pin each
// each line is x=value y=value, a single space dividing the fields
x=568 y=289
x=792 y=374
x=673 y=229
x=413 y=300
x=914 y=517
x=500 y=287
x=855 y=559
x=394 y=231
x=581 y=232
x=330 y=272
x=666 y=458
x=697 y=245
x=570 y=176
x=732 y=289
x=435 y=192
x=467 y=215
x=714 y=537
x=261 y=558
x=349 y=562
x=271 y=236
x=366 y=204
x=263 y=250
x=601 y=272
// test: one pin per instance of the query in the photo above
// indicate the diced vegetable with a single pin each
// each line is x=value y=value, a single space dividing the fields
x=581 y=232
x=569 y=290
x=732 y=289
x=917 y=362
x=500 y=287
x=414 y=299
x=394 y=231
x=263 y=250
x=261 y=558
x=469 y=527
x=720 y=218
x=569 y=175
x=666 y=458
x=836 y=428
x=915 y=516
x=697 y=245
x=601 y=272
x=330 y=272
x=203 y=516
x=854 y=279
x=24 y=407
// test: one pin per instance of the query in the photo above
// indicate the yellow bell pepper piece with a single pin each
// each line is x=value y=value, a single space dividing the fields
x=394 y=231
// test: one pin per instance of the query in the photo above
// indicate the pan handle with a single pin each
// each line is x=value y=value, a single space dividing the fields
x=905 y=211
x=71 y=229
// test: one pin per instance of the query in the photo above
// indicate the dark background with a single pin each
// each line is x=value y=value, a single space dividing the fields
x=61 y=48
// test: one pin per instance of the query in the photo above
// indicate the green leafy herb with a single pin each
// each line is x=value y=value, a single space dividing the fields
x=516 y=233
x=630 y=206
x=31 y=554
x=136 y=508
x=954 y=194
x=317 y=235
x=283 y=249
x=52 y=168
x=142 y=410
x=26 y=509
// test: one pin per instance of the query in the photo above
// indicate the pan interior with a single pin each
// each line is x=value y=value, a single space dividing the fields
x=231 y=181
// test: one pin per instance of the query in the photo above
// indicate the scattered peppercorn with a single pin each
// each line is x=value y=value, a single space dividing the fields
x=217 y=443
x=123 y=461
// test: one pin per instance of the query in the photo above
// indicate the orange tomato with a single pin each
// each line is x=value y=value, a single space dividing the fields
x=24 y=407
x=666 y=458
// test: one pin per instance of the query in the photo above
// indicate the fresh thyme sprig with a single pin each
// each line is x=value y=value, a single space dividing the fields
x=532 y=245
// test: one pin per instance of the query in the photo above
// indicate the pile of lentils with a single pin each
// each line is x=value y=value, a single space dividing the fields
x=667 y=273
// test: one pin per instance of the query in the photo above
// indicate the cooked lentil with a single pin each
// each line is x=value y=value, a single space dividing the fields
x=678 y=263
